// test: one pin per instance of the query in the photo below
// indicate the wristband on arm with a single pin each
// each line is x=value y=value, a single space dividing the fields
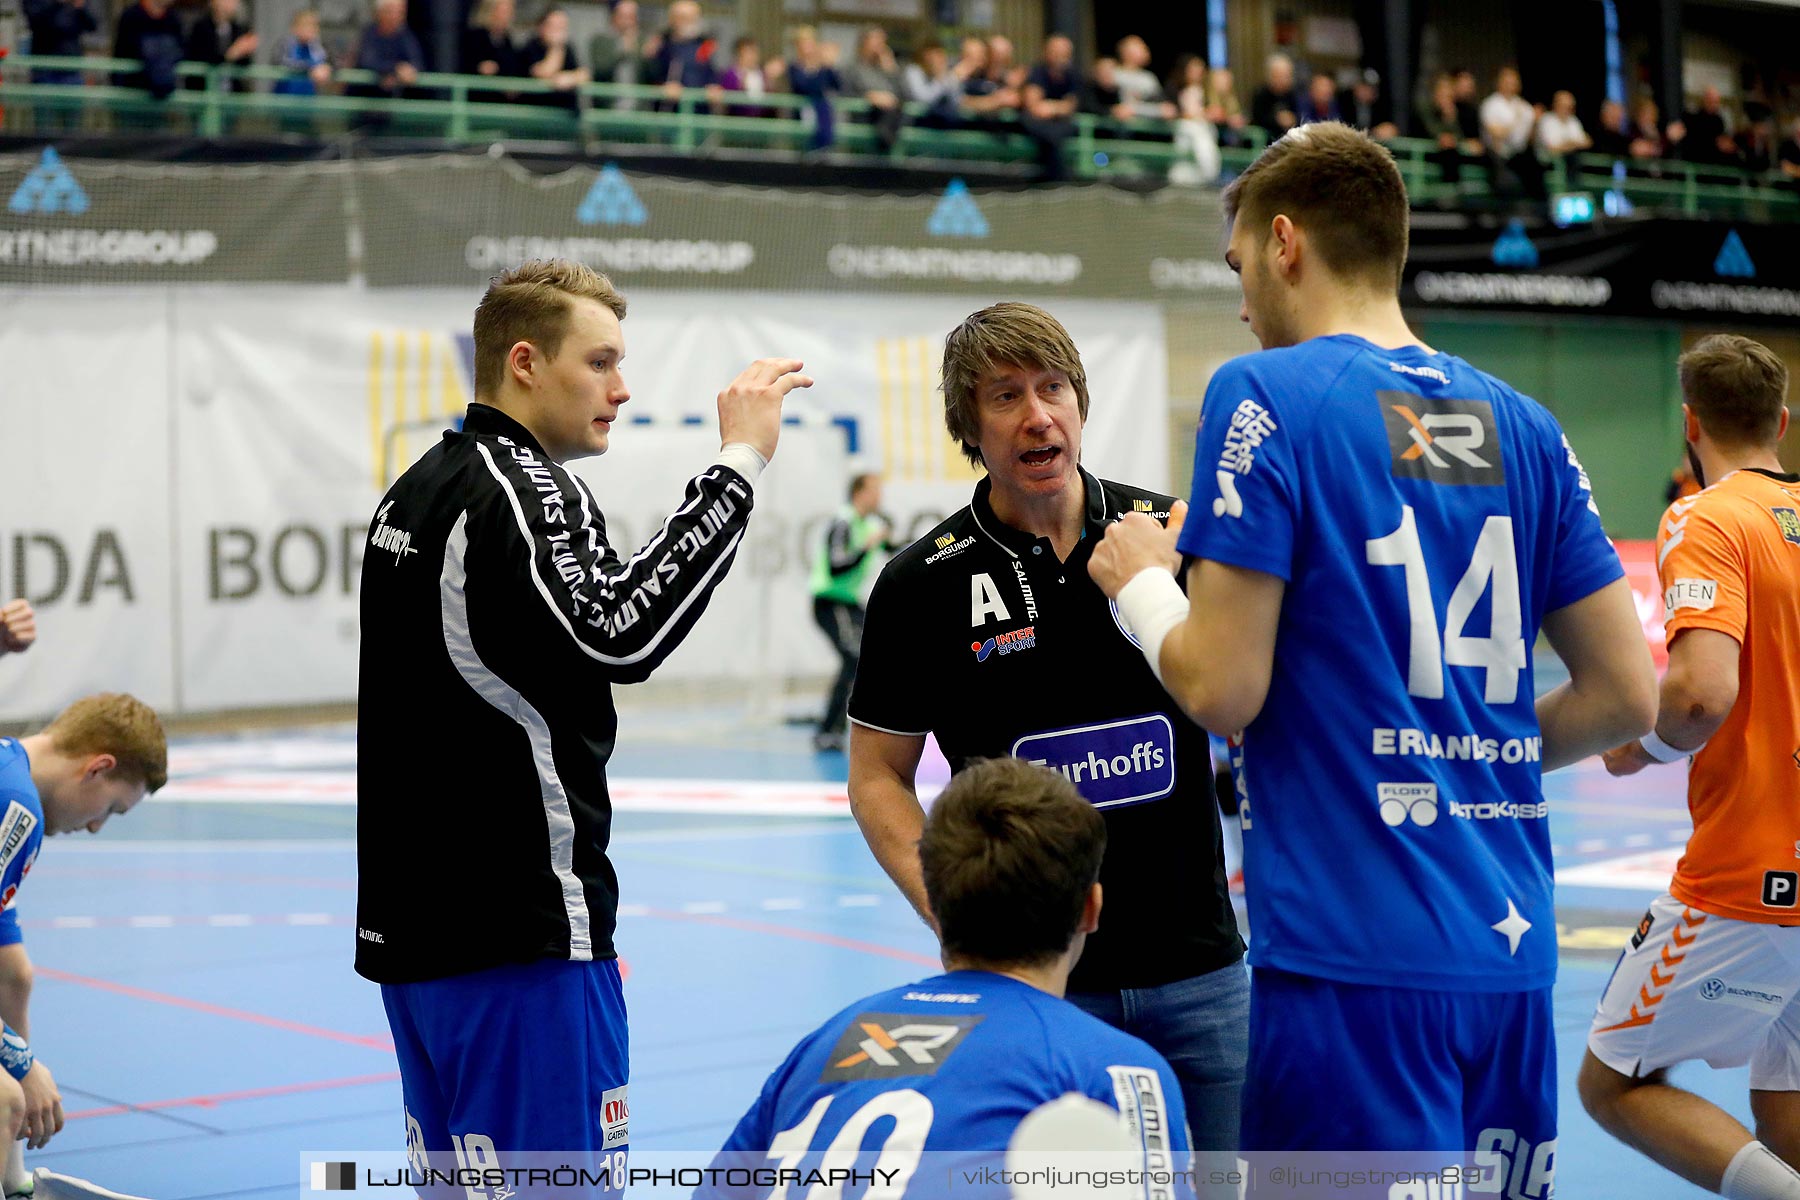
x=1662 y=752
x=1152 y=604
x=15 y=1055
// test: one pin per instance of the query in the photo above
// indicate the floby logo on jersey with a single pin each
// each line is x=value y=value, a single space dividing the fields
x=1445 y=441
x=1112 y=764
x=1403 y=802
x=1789 y=521
x=1005 y=643
x=894 y=1045
x=615 y=1117
x=1251 y=425
x=15 y=828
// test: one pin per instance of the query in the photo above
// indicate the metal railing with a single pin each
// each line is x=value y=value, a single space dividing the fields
x=213 y=101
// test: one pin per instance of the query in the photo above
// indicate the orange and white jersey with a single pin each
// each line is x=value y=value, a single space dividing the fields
x=1729 y=560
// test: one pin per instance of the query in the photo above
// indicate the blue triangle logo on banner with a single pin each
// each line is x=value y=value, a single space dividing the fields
x=611 y=201
x=957 y=214
x=50 y=188
x=1513 y=248
x=1734 y=260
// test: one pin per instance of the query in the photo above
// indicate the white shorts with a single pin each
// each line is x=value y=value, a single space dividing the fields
x=1696 y=986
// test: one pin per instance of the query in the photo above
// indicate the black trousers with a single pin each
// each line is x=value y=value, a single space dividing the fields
x=843 y=624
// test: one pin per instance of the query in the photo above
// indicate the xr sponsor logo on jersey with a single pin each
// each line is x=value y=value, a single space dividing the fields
x=895 y=1045
x=1444 y=441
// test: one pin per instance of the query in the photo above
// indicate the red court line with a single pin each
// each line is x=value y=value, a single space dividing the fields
x=373 y=1042
x=218 y=1098
x=799 y=935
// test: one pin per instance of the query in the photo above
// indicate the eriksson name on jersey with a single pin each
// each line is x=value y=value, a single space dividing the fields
x=1416 y=743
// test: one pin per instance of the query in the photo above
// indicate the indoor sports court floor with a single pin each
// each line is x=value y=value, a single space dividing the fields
x=195 y=998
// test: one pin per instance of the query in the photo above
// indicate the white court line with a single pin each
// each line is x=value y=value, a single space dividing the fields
x=783 y=904
x=858 y=901
x=703 y=907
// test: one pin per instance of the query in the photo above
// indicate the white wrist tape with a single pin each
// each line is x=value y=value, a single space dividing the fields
x=1152 y=604
x=1662 y=752
x=743 y=458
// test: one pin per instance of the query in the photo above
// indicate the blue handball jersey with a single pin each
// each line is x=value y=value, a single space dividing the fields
x=1425 y=517
x=21 y=832
x=950 y=1066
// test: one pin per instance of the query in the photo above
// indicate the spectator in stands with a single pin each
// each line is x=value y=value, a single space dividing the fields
x=1276 y=106
x=621 y=52
x=1100 y=95
x=1468 y=105
x=752 y=76
x=1320 y=101
x=1610 y=135
x=1560 y=131
x=932 y=82
x=1052 y=93
x=220 y=38
x=812 y=73
x=1789 y=154
x=391 y=50
x=1705 y=135
x=549 y=56
x=1646 y=131
x=684 y=58
x=57 y=27
x=988 y=94
x=1139 y=89
x=1441 y=121
x=150 y=33
x=303 y=54
x=1507 y=123
x=488 y=47
x=1186 y=86
x=1365 y=106
x=1223 y=108
x=1005 y=69
x=875 y=77
x=1757 y=144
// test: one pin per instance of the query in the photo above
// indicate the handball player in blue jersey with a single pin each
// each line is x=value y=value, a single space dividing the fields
x=1378 y=532
x=987 y=1058
x=98 y=759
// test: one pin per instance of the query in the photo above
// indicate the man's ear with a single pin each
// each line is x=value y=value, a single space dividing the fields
x=521 y=361
x=97 y=766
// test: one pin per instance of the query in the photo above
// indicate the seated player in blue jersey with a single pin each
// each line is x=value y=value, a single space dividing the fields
x=1378 y=532
x=958 y=1064
x=97 y=759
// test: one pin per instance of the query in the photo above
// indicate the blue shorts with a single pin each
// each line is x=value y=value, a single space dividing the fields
x=1344 y=1066
x=524 y=1058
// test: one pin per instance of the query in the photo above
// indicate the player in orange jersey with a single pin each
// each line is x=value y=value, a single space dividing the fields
x=1713 y=971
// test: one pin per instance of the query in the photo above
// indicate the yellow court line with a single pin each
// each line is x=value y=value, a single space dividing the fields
x=453 y=399
x=401 y=461
x=424 y=375
x=909 y=444
x=884 y=379
x=377 y=467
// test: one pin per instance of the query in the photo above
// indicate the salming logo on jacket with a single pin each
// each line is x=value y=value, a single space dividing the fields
x=495 y=620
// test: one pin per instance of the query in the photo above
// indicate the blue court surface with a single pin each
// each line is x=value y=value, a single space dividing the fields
x=196 y=1001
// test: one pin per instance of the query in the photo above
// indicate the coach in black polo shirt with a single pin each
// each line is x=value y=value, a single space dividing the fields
x=988 y=633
